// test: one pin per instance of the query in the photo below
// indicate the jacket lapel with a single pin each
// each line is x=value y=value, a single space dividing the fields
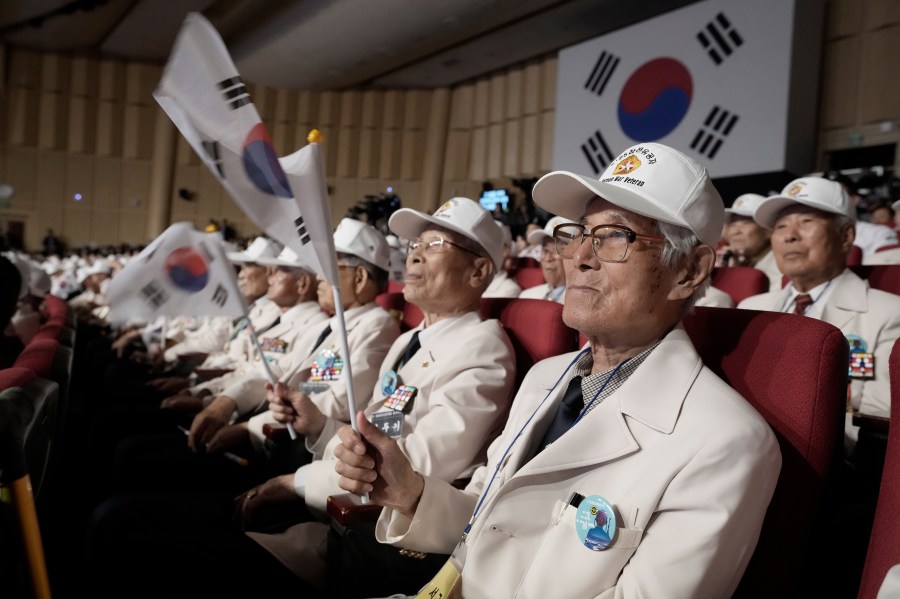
x=604 y=434
x=848 y=300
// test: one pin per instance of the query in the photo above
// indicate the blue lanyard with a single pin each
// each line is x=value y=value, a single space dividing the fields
x=502 y=459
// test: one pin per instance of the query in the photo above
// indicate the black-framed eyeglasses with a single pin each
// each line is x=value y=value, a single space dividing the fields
x=436 y=246
x=608 y=242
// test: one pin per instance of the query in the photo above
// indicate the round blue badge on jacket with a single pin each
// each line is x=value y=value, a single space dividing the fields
x=595 y=523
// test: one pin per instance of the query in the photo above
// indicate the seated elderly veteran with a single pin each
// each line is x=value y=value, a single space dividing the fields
x=627 y=469
x=812 y=223
x=147 y=448
x=503 y=285
x=443 y=391
x=748 y=242
x=318 y=381
x=253 y=282
x=554 y=287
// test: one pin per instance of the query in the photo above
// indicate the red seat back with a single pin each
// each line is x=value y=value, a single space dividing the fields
x=855 y=256
x=38 y=356
x=885 y=248
x=530 y=276
x=884 y=542
x=535 y=328
x=793 y=370
x=885 y=277
x=740 y=282
x=15 y=376
x=393 y=286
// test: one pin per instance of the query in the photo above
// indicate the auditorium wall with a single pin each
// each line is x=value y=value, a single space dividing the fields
x=76 y=124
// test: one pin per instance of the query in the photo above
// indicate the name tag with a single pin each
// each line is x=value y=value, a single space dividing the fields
x=389 y=422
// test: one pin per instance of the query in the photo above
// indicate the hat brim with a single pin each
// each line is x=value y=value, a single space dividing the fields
x=385 y=260
x=239 y=257
x=537 y=237
x=567 y=194
x=409 y=224
x=767 y=212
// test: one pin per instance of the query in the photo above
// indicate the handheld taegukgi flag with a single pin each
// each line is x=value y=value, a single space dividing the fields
x=206 y=98
x=183 y=272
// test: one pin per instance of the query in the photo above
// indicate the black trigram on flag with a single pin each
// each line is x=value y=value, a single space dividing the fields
x=154 y=295
x=602 y=72
x=597 y=152
x=301 y=230
x=212 y=150
x=220 y=295
x=235 y=92
x=719 y=38
x=712 y=134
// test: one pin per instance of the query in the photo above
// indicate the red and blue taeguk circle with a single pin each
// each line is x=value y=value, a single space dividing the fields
x=655 y=99
x=261 y=164
x=187 y=269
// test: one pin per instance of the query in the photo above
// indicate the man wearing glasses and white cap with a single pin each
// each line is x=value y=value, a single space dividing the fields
x=812 y=223
x=554 y=286
x=443 y=393
x=634 y=425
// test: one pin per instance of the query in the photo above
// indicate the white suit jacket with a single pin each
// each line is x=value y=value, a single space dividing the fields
x=715 y=298
x=239 y=347
x=855 y=309
x=542 y=291
x=502 y=286
x=371 y=331
x=687 y=463
x=298 y=329
x=464 y=375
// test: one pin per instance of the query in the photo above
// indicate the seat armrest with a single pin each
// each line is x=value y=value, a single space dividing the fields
x=348 y=509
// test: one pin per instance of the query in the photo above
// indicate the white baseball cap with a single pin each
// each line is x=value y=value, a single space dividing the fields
x=261 y=247
x=460 y=215
x=745 y=204
x=38 y=281
x=287 y=257
x=649 y=179
x=364 y=241
x=816 y=192
x=538 y=236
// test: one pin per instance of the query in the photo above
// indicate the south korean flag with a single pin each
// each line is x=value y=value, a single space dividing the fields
x=210 y=103
x=711 y=79
x=183 y=272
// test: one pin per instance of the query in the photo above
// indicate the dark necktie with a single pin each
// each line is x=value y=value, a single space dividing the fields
x=802 y=302
x=409 y=352
x=569 y=408
x=274 y=324
x=321 y=338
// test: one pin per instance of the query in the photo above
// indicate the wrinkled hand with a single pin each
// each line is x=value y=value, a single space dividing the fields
x=169 y=384
x=228 y=437
x=121 y=344
x=208 y=422
x=183 y=402
x=292 y=406
x=275 y=490
x=383 y=470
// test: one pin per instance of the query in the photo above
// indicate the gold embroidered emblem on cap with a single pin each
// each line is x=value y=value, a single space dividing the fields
x=794 y=191
x=626 y=165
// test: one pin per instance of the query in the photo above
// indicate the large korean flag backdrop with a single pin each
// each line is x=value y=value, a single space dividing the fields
x=712 y=79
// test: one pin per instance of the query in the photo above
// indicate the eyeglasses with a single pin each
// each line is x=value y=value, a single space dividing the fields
x=436 y=246
x=608 y=242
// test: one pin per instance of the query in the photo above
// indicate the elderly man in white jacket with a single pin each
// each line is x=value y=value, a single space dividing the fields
x=627 y=469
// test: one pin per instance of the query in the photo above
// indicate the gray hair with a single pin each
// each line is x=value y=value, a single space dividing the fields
x=680 y=244
x=378 y=275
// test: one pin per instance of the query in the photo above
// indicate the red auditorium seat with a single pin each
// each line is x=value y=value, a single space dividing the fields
x=15 y=376
x=884 y=543
x=535 y=328
x=885 y=248
x=530 y=276
x=855 y=256
x=885 y=277
x=38 y=356
x=392 y=301
x=393 y=286
x=525 y=262
x=798 y=384
x=740 y=282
